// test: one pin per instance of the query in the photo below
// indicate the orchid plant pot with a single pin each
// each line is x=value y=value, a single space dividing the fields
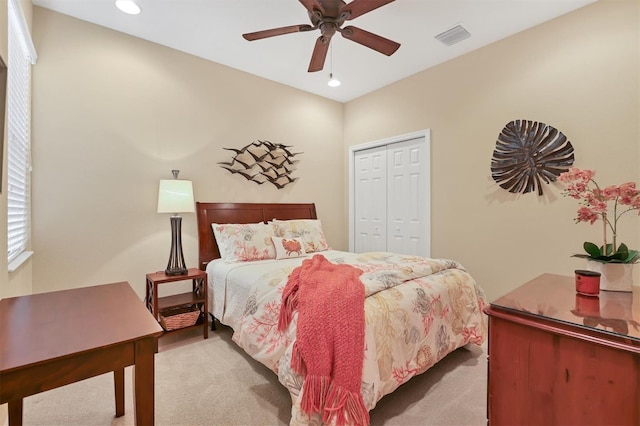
x=613 y=276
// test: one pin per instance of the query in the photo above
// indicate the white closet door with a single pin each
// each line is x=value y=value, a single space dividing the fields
x=370 y=199
x=408 y=197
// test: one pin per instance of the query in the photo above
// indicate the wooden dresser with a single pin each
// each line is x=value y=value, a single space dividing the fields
x=560 y=358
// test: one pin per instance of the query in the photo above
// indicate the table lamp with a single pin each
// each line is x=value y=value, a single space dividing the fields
x=176 y=196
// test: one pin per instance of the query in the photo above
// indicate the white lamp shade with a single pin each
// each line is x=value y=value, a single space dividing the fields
x=175 y=196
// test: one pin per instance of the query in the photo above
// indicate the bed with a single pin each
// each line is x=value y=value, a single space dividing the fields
x=416 y=310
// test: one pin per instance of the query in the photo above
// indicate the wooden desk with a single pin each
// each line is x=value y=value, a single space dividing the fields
x=560 y=358
x=53 y=339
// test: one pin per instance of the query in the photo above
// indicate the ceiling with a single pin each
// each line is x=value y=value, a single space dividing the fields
x=212 y=29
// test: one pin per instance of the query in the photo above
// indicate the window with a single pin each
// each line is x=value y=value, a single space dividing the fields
x=21 y=57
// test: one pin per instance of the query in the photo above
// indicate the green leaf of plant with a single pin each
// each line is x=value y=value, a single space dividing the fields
x=592 y=249
x=632 y=257
x=622 y=255
x=582 y=256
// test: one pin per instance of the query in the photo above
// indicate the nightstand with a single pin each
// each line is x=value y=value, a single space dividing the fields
x=179 y=311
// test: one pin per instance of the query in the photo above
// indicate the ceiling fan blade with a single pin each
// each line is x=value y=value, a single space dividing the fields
x=277 y=31
x=319 y=54
x=360 y=7
x=312 y=5
x=370 y=40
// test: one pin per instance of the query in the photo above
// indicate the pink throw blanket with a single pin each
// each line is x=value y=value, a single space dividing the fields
x=329 y=346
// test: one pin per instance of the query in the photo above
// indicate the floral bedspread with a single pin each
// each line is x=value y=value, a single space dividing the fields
x=417 y=310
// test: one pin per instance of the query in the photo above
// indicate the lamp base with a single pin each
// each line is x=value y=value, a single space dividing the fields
x=176 y=264
x=171 y=272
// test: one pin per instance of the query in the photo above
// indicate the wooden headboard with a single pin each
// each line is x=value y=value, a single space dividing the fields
x=208 y=213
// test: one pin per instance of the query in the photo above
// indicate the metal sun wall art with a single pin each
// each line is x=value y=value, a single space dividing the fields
x=263 y=161
x=528 y=153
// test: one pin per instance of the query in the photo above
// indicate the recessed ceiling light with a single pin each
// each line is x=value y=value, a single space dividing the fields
x=128 y=6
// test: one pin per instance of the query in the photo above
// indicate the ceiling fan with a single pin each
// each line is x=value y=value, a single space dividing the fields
x=328 y=16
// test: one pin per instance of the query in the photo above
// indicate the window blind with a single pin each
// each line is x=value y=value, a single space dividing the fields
x=21 y=57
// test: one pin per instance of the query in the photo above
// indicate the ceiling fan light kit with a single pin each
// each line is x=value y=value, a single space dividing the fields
x=333 y=82
x=328 y=16
x=128 y=6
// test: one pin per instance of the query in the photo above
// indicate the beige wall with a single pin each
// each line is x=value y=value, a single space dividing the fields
x=578 y=73
x=113 y=114
x=3 y=33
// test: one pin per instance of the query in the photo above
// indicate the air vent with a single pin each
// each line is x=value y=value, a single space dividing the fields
x=453 y=35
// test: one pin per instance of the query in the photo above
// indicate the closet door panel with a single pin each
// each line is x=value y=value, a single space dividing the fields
x=407 y=202
x=391 y=198
x=371 y=200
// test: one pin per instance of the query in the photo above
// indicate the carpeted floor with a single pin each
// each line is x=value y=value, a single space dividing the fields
x=213 y=382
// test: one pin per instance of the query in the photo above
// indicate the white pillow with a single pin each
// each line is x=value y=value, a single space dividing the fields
x=309 y=230
x=242 y=242
x=287 y=248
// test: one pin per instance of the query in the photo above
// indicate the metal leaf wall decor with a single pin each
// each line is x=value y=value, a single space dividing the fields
x=528 y=153
x=263 y=161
